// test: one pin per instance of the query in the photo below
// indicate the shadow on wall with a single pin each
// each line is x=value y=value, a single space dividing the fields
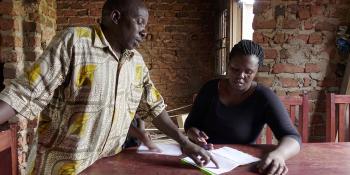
x=330 y=84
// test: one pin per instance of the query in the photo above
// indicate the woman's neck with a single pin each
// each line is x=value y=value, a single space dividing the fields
x=231 y=96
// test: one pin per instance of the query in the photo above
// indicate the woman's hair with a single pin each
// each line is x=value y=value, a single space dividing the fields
x=247 y=47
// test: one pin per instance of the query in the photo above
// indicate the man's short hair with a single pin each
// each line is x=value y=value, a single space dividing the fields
x=121 y=5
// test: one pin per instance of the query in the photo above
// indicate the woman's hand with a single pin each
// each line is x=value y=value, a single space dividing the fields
x=199 y=138
x=273 y=164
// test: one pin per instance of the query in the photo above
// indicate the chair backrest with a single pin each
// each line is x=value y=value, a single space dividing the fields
x=298 y=107
x=8 y=151
x=336 y=111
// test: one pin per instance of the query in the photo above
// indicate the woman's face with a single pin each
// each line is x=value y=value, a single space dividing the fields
x=241 y=71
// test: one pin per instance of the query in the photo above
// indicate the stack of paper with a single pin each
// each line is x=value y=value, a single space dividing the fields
x=227 y=158
x=170 y=149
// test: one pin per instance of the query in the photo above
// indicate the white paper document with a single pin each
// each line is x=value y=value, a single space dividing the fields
x=227 y=158
x=170 y=149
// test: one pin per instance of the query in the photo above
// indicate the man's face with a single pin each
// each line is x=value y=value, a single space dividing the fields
x=241 y=71
x=132 y=28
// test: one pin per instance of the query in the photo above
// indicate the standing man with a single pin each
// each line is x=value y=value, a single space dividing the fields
x=85 y=89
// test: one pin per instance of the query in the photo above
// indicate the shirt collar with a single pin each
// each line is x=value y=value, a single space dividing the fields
x=99 y=39
x=101 y=42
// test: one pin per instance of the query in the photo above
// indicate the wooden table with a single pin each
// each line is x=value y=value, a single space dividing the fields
x=314 y=158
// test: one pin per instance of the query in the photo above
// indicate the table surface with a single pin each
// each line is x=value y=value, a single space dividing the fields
x=314 y=158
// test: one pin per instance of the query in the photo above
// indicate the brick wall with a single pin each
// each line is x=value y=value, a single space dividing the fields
x=301 y=56
x=26 y=27
x=179 y=49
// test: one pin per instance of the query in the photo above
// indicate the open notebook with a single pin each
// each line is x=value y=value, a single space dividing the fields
x=170 y=149
x=227 y=158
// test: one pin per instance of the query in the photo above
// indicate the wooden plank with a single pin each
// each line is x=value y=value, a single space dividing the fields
x=5 y=162
x=292 y=113
x=304 y=121
x=5 y=140
x=341 y=99
x=268 y=135
x=330 y=108
x=341 y=123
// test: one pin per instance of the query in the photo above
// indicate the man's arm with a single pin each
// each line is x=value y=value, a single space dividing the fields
x=164 y=124
x=6 y=112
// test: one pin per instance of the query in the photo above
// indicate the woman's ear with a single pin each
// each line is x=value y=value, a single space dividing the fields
x=115 y=16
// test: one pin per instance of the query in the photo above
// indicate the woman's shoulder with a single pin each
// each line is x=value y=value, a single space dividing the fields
x=265 y=92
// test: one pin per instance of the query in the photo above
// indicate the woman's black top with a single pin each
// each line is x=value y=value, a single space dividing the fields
x=241 y=123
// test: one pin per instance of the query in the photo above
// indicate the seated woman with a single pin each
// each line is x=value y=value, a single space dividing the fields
x=233 y=110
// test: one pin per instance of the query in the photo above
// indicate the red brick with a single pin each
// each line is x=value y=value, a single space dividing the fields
x=264 y=24
x=68 y=13
x=95 y=12
x=267 y=81
x=260 y=38
x=315 y=38
x=294 y=93
x=312 y=68
x=6 y=8
x=316 y=10
x=8 y=41
x=308 y=25
x=279 y=38
x=264 y=68
x=9 y=56
x=338 y=12
x=290 y=24
x=179 y=37
x=261 y=7
x=8 y=24
x=9 y=73
x=287 y=68
x=304 y=12
x=270 y=53
x=81 y=20
x=280 y=92
x=289 y=82
x=33 y=42
x=63 y=5
x=293 y=8
x=325 y=26
x=302 y=37
x=307 y=82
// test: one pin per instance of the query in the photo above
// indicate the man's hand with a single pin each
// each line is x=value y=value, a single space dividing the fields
x=147 y=141
x=273 y=164
x=199 y=138
x=200 y=156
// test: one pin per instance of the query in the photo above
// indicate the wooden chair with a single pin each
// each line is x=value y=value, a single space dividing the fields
x=292 y=103
x=336 y=111
x=8 y=150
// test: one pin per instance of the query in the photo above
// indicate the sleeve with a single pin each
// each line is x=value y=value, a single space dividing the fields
x=152 y=97
x=278 y=118
x=200 y=106
x=32 y=91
